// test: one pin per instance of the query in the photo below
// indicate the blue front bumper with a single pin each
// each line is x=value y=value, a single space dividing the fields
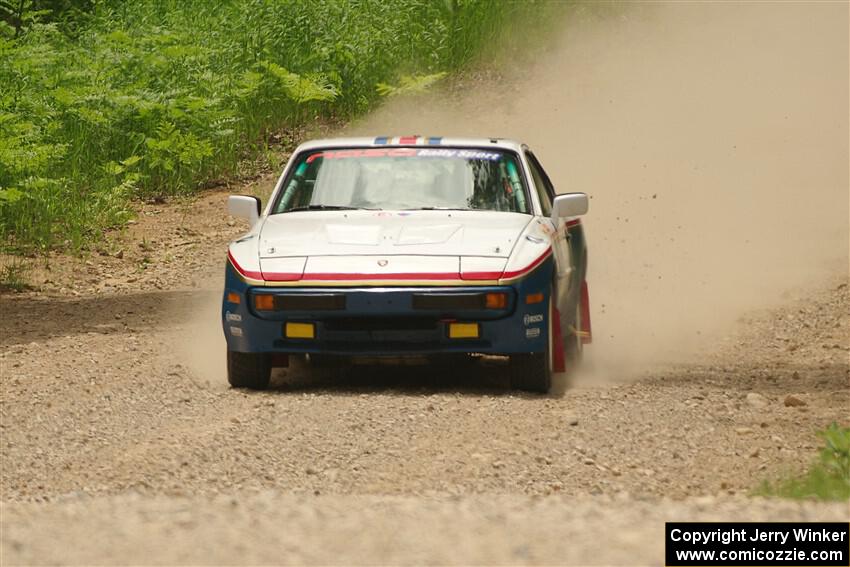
x=375 y=321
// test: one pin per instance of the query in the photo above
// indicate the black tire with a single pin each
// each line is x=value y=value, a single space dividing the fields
x=533 y=372
x=249 y=370
x=530 y=372
x=574 y=345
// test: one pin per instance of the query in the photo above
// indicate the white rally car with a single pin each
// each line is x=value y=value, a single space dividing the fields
x=411 y=246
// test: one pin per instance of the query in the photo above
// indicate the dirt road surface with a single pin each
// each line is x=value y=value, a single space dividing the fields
x=122 y=444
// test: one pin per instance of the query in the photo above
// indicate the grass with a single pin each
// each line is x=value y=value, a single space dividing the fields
x=13 y=274
x=105 y=102
x=828 y=478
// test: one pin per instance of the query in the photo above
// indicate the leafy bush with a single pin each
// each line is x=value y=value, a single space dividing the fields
x=828 y=478
x=104 y=101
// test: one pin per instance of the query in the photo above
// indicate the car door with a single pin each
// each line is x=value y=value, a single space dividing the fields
x=546 y=193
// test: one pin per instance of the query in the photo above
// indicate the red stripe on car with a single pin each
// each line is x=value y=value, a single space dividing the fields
x=397 y=276
x=480 y=275
x=505 y=275
x=241 y=270
x=529 y=267
x=281 y=276
x=293 y=276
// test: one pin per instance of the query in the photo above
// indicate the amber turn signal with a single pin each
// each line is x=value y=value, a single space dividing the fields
x=264 y=302
x=533 y=298
x=496 y=300
x=233 y=297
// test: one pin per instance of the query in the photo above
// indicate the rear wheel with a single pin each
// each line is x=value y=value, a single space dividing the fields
x=532 y=372
x=248 y=370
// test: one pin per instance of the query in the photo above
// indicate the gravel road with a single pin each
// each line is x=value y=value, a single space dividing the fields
x=120 y=447
x=120 y=442
x=269 y=527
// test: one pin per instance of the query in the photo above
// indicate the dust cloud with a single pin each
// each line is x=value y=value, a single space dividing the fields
x=202 y=346
x=713 y=140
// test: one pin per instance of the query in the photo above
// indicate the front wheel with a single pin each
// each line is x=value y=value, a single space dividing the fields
x=532 y=372
x=249 y=370
x=574 y=347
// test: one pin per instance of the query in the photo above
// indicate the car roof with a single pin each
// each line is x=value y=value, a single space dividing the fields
x=379 y=141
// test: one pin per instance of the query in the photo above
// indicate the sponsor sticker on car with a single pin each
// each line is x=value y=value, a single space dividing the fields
x=529 y=319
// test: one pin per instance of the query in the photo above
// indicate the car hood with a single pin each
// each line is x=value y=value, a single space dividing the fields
x=384 y=233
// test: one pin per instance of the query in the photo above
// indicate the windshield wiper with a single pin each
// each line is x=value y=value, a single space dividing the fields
x=325 y=208
x=440 y=209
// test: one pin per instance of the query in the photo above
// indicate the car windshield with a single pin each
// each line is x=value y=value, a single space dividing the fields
x=405 y=178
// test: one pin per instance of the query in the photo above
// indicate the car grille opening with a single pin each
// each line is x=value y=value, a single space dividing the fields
x=449 y=301
x=381 y=324
x=308 y=302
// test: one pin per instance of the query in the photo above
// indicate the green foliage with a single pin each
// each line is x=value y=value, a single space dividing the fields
x=828 y=478
x=104 y=101
x=408 y=84
x=17 y=15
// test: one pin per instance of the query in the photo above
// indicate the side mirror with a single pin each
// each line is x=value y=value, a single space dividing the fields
x=244 y=207
x=569 y=205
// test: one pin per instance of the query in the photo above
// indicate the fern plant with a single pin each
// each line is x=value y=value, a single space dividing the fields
x=103 y=101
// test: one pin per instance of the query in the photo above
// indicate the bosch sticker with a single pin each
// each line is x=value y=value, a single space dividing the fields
x=529 y=319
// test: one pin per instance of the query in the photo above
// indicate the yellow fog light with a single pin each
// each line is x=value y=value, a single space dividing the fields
x=300 y=331
x=464 y=331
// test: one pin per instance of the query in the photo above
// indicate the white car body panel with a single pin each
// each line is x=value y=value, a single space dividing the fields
x=533 y=246
x=243 y=253
x=290 y=268
x=381 y=267
x=474 y=267
x=361 y=233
